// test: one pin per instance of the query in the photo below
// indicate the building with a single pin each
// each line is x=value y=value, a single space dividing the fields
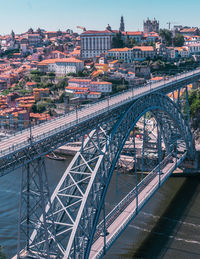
x=125 y=54
x=150 y=26
x=128 y=55
x=38 y=93
x=137 y=35
x=194 y=48
x=103 y=87
x=143 y=52
x=33 y=39
x=95 y=43
x=122 y=26
x=183 y=52
x=190 y=31
x=79 y=82
x=61 y=66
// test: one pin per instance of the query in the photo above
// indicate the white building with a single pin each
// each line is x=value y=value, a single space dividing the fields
x=61 y=66
x=79 y=82
x=194 y=48
x=95 y=43
x=103 y=87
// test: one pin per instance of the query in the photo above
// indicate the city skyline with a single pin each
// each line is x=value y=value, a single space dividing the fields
x=51 y=15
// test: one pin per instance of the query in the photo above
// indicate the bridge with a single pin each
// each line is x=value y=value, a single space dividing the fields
x=72 y=222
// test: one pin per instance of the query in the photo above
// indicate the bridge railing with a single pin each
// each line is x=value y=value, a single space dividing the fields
x=131 y=214
x=85 y=118
x=130 y=197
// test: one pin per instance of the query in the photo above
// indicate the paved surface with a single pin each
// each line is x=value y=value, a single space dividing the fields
x=15 y=141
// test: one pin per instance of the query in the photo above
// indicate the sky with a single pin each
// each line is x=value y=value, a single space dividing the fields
x=20 y=15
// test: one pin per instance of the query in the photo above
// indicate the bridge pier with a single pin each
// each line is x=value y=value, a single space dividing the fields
x=33 y=201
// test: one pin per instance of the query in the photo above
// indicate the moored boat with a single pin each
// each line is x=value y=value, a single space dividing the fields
x=53 y=156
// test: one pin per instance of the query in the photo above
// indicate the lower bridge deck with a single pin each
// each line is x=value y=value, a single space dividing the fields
x=127 y=209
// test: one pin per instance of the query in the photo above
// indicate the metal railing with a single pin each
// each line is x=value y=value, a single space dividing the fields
x=131 y=215
x=67 y=125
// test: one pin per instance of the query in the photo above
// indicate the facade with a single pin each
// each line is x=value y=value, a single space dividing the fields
x=33 y=39
x=103 y=87
x=183 y=52
x=125 y=54
x=129 y=55
x=61 y=66
x=190 y=31
x=137 y=35
x=150 y=26
x=95 y=43
x=79 y=82
x=194 y=48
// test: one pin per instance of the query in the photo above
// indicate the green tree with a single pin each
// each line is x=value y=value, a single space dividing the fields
x=51 y=76
x=166 y=36
x=117 y=41
x=178 y=40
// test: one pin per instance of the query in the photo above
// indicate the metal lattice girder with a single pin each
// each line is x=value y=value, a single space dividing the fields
x=34 y=197
x=79 y=196
x=71 y=212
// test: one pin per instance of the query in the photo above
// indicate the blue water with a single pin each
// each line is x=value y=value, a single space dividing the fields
x=167 y=227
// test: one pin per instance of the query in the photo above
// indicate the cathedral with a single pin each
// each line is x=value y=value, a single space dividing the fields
x=150 y=26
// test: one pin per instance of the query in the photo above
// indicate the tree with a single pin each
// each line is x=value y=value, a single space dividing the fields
x=178 y=40
x=51 y=76
x=166 y=36
x=117 y=41
x=2 y=256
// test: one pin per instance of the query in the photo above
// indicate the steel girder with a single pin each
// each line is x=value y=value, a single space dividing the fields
x=78 y=198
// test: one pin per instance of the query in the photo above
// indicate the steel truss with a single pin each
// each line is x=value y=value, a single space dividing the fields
x=34 y=197
x=77 y=201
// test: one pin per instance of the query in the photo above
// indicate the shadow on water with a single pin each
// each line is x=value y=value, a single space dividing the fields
x=156 y=244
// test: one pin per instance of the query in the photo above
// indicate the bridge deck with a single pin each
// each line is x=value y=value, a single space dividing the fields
x=123 y=216
x=42 y=131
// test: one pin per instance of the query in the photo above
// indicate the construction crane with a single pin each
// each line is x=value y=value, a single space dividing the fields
x=81 y=27
x=170 y=23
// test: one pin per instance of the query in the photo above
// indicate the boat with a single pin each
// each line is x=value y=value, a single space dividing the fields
x=53 y=156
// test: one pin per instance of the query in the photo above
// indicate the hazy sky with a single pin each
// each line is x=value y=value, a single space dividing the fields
x=20 y=15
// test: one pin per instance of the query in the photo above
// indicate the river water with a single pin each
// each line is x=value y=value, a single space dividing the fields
x=167 y=227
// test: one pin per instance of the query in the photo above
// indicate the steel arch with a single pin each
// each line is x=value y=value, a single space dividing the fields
x=156 y=103
x=83 y=199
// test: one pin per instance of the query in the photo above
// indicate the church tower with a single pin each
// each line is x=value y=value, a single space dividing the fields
x=122 y=27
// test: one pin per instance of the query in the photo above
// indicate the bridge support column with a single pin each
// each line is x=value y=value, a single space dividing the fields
x=34 y=198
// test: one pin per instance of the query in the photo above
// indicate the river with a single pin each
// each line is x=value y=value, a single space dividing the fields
x=167 y=227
